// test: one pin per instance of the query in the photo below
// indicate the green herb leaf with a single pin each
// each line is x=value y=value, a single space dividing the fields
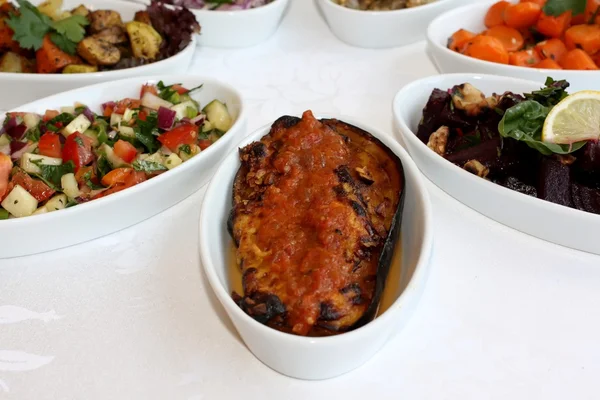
x=72 y=27
x=102 y=166
x=557 y=7
x=33 y=134
x=147 y=131
x=524 y=122
x=64 y=118
x=30 y=26
x=63 y=43
x=551 y=95
x=51 y=174
x=148 y=166
x=186 y=149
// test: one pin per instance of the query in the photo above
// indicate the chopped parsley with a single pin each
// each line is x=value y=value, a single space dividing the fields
x=148 y=166
x=51 y=174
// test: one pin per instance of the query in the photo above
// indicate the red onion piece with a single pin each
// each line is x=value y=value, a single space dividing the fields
x=108 y=104
x=17 y=132
x=89 y=114
x=112 y=134
x=166 y=117
x=199 y=120
x=17 y=149
x=11 y=123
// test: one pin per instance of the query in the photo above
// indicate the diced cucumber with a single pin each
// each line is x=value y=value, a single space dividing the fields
x=31 y=120
x=40 y=210
x=115 y=119
x=114 y=160
x=207 y=126
x=68 y=110
x=93 y=135
x=27 y=162
x=126 y=131
x=175 y=98
x=69 y=185
x=79 y=124
x=181 y=109
x=19 y=202
x=157 y=158
x=4 y=214
x=4 y=140
x=56 y=203
x=128 y=115
x=194 y=150
x=218 y=115
x=173 y=161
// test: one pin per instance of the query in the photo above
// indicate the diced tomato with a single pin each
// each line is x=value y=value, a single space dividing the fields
x=148 y=89
x=204 y=143
x=5 y=167
x=81 y=178
x=49 y=115
x=116 y=176
x=131 y=178
x=127 y=103
x=125 y=150
x=49 y=145
x=108 y=111
x=142 y=115
x=36 y=188
x=135 y=178
x=78 y=148
x=16 y=114
x=179 y=89
x=183 y=134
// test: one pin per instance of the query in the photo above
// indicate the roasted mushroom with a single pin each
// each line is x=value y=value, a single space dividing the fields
x=102 y=19
x=112 y=35
x=98 y=52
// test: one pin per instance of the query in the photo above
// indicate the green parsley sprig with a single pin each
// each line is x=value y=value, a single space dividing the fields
x=30 y=27
x=557 y=7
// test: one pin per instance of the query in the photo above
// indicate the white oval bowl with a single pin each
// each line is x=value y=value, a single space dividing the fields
x=543 y=219
x=381 y=29
x=471 y=18
x=317 y=358
x=24 y=88
x=40 y=233
x=239 y=28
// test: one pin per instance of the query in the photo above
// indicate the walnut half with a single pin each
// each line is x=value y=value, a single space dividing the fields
x=476 y=168
x=438 y=140
x=468 y=98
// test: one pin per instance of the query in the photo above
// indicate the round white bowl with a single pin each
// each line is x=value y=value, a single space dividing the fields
x=40 y=233
x=381 y=29
x=545 y=220
x=239 y=28
x=317 y=358
x=23 y=88
x=471 y=18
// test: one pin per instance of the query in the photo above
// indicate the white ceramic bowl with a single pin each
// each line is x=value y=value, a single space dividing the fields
x=19 y=89
x=540 y=218
x=240 y=28
x=471 y=18
x=381 y=29
x=318 y=358
x=111 y=213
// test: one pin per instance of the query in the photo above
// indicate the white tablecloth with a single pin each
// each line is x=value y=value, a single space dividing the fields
x=130 y=315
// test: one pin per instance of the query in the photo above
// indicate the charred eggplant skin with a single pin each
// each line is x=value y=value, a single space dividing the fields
x=356 y=192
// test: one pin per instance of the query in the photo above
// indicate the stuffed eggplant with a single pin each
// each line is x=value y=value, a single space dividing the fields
x=316 y=214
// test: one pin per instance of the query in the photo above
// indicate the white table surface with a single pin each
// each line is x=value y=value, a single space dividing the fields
x=131 y=316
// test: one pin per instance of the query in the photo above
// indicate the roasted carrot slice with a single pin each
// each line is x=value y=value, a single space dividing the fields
x=51 y=59
x=524 y=58
x=592 y=12
x=487 y=48
x=577 y=59
x=548 y=63
x=541 y=3
x=553 y=27
x=522 y=15
x=495 y=14
x=459 y=40
x=584 y=37
x=553 y=49
x=510 y=37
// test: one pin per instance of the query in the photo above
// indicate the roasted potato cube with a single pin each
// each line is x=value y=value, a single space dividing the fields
x=80 y=10
x=102 y=19
x=112 y=35
x=145 y=41
x=143 y=17
x=50 y=8
x=79 y=69
x=98 y=52
x=12 y=62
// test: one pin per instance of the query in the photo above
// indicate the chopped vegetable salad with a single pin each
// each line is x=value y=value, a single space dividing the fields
x=73 y=155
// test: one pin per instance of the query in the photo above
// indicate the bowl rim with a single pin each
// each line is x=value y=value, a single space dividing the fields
x=116 y=197
x=137 y=71
x=438 y=22
x=371 y=13
x=255 y=10
x=424 y=256
x=409 y=135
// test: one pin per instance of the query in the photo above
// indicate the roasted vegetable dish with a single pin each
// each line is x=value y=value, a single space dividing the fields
x=64 y=158
x=315 y=218
x=550 y=34
x=220 y=5
x=381 y=5
x=82 y=40
x=543 y=144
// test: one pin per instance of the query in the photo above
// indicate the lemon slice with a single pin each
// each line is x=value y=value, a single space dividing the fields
x=576 y=118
